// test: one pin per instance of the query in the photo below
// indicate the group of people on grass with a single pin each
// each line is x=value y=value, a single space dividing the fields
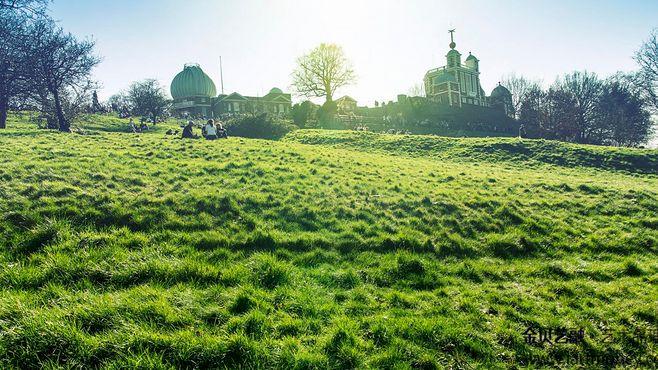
x=210 y=131
x=137 y=129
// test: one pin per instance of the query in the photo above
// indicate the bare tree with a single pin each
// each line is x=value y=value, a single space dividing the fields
x=26 y=7
x=77 y=99
x=586 y=89
x=532 y=114
x=59 y=62
x=120 y=103
x=16 y=20
x=582 y=108
x=622 y=117
x=647 y=58
x=148 y=99
x=323 y=71
x=417 y=90
x=520 y=87
x=12 y=60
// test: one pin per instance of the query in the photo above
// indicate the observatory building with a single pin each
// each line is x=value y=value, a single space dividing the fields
x=195 y=95
x=458 y=84
x=193 y=91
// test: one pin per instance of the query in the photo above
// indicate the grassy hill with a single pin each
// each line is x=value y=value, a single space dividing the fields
x=324 y=249
x=528 y=153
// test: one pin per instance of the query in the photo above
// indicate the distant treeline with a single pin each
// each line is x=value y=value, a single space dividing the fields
x=417 y=115
x=582 y=108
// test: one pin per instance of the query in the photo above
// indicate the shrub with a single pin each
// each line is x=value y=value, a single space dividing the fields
x=259 y=127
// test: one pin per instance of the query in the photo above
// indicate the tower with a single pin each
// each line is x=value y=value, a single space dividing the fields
x=454 y=58
x=472 y=62
x=455 y=83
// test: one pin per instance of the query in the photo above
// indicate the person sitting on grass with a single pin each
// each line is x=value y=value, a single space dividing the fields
x=221 y=131
x=133 y=127
x=209 y=130
x=188 y=131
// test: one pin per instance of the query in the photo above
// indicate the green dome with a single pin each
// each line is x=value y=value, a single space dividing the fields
x=500 y=91
x=471 y=57
x=276 y=90
x=192 y=81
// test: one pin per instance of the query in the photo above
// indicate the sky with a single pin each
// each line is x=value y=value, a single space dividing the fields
x=391 y=43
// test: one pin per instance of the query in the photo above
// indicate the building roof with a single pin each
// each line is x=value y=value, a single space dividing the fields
x=471 y=57
x=192 y=81
x=346 y=98
x=276 y=94
x=269 y=98
x=500 y=91
x=233 y=97
x=279 y=98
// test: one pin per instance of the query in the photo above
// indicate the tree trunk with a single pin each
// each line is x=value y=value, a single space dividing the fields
x=328 y=93
x=4 y=96
x=4 y=107
x=64 y=125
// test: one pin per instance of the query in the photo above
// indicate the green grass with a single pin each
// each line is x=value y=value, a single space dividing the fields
x=322 y=250
x=528 y=152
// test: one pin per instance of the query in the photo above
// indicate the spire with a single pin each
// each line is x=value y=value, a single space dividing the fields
x=452 y=39
x=453 y=56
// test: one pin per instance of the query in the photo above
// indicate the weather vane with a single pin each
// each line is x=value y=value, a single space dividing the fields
x=452 y=38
